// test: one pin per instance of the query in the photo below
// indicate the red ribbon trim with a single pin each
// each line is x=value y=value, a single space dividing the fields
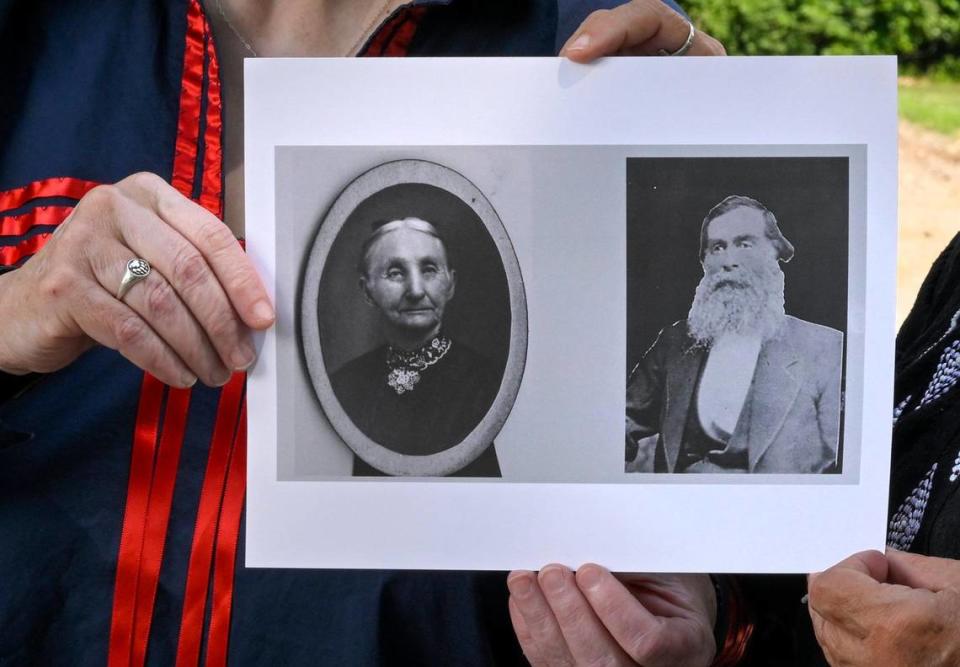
x=208 y=516
x=150 y=490
x=211 y=193
x=394 y=37
x=74 y=188
x=134 y=521
x=399 y=45
x=188 y=124
x=12 y=254
x=738 y=631
x=225 y=561
x=18 y=225
x=158 y=518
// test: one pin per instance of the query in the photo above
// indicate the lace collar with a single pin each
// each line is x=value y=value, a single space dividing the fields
x=406 y=366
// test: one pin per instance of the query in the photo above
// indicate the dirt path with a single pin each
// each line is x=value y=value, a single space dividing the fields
x=929 y=206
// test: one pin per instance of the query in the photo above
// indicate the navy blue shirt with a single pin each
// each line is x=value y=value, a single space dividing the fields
x=92 y=91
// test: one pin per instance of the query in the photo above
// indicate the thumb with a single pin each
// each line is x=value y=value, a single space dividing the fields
x=928 y=572
x=840 y=592
x=871 y=563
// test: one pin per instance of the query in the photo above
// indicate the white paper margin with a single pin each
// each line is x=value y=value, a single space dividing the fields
x=627 y=527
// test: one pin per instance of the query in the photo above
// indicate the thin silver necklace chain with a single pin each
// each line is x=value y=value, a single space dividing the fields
x=356 y=45
x=234 y=30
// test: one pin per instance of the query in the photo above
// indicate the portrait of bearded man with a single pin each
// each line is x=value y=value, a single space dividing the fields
x=739 y=385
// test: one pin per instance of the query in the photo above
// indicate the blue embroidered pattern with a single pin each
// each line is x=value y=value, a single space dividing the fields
x=906 y=521
x=946 y=375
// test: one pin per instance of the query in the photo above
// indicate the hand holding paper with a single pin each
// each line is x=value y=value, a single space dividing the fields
x=191 y=318
x=594 y=617
x=893 y=609
x=637 y=28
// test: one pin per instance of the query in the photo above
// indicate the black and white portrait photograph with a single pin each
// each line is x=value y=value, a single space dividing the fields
x=736 y=309
x=407 y=322
x=581 y=322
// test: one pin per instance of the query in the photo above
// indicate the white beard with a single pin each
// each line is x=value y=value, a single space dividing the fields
x=743 y=301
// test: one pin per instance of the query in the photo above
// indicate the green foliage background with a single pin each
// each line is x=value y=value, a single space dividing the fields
x=924 y=33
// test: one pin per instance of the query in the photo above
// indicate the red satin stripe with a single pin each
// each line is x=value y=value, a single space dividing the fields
x=17 y=225
x=399 y=43
x=134 y=521
x=212 y=182
x=382 y=43
x=739 y=629
x=225 y=561
x=188 y=125
x=208 y=513
x=11 y=254
x=158 y=517
x=74 y=188
x=153 y=473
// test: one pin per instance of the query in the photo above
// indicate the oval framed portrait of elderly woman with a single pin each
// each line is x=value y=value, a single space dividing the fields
x=414 y=322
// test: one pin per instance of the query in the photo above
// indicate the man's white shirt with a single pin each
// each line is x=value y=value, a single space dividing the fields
x=725 y=383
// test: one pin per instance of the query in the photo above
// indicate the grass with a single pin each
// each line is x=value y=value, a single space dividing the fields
x=934 y=105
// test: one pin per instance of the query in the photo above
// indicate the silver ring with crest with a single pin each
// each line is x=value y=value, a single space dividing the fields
x=686 y=45
x=137 y=269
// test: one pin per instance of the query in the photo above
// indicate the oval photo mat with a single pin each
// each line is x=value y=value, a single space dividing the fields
x=488 y=312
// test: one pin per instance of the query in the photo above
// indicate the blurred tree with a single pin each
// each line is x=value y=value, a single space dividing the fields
x=924 y=33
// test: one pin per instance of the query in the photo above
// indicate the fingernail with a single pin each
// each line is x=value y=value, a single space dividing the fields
x=221 y=378
x=188 y=380
x=520 y=584
x=263 y=311
x=588 y=577
x=242 y=357
x=552 y=579
x=581 y=42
